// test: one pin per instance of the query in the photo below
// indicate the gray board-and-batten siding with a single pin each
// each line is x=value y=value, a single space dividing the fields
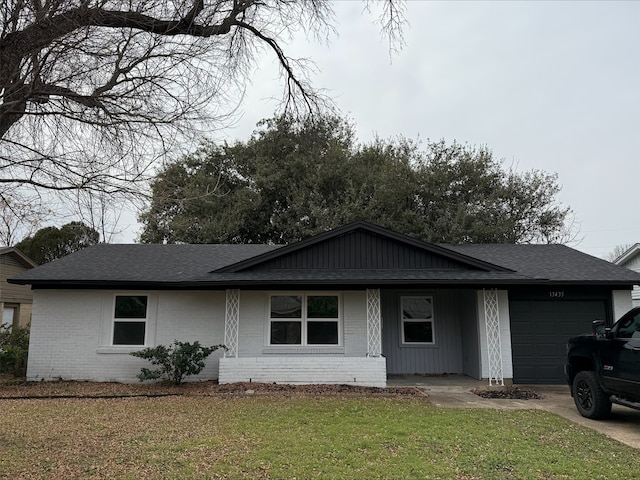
x=456 y=347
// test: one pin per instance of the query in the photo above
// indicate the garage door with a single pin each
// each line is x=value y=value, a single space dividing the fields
x=539 y=333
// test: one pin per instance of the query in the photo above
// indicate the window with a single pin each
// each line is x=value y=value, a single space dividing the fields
x=417 y=320
x=629 y=327
x=130 y=320
x=304 y=319
x=9 y=315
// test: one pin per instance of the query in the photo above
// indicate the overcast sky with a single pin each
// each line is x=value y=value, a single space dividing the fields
x=553 y=86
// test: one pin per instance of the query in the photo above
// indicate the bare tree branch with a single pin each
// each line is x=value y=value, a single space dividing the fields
x=94 y=92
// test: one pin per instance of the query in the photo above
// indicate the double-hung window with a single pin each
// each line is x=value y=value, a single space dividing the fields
x=417 y=320
x=130 y=320
x=304 y=319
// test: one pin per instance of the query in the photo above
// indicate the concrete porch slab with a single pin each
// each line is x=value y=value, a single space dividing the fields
x=436 y=382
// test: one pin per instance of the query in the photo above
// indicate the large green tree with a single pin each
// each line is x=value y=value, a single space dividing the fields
x=293 y=179
x=50 y=243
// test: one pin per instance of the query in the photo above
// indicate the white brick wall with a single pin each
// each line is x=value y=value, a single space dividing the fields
x=355 y=323
x=70 y=332
x=365 y=371
x=252 y=327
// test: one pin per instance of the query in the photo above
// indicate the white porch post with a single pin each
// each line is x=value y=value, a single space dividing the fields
x=494 y=345
x=231 y=321
x=374 y=323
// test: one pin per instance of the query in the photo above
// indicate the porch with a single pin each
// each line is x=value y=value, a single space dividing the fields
x=468 y=336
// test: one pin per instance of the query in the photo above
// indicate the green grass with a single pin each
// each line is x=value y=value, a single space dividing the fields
x=286 y=437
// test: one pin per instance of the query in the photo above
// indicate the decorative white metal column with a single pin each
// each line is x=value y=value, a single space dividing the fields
x=231 y=321
x=374 y=323
x=494 y=346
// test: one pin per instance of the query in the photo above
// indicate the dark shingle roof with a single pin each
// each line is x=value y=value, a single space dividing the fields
x=141 y=263
x=554 y=262
x=203 y=266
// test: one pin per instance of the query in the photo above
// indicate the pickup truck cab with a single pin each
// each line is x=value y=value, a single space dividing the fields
x=604 y=367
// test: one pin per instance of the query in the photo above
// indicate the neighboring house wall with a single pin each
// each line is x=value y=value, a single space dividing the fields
x=632 y=263
x=15 y=300
x=635 y=296
x=70 y=332
x=451 y=310
x=16 y=314
x=622 y=303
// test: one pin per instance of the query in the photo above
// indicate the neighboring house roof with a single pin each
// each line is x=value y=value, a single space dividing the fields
x=18 y=256
x=628 y=256
x=356 y=254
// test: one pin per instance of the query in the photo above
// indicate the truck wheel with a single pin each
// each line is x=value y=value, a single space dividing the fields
x=591 y=401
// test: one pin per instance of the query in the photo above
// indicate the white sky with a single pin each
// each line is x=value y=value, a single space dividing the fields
x=553 y=86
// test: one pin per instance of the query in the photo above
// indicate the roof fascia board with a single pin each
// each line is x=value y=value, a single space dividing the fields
x=223 y=284
x=628 y=254
x=366 y=226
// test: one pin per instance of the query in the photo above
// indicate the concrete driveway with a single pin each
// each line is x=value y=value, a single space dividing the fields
x=623 y=426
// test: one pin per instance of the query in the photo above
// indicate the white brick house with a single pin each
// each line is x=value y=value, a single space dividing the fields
x=348 y=306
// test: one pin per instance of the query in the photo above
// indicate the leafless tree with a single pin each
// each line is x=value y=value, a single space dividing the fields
x=18 y=220
x=93 y=92
x=617 y=252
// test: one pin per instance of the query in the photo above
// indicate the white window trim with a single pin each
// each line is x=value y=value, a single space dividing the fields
x=415 y=320
x=304 y=320
x=14 y=308
x=107 y=318
x=132 y=320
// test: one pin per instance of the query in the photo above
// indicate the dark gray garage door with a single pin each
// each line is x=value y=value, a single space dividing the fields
x=539 y=333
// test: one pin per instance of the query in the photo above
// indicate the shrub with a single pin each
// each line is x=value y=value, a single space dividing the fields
x=14 y=350
x=176 y=361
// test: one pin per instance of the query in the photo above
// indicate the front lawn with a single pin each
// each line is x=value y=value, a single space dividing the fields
x=296 y=436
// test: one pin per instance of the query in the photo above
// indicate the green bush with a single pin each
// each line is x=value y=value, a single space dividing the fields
x=14 y=349
x=176 y=361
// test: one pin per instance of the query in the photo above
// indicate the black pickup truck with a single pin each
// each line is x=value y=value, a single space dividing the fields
x=604 y=367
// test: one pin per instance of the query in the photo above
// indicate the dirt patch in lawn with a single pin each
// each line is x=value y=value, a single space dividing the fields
x=11 y=388
x=511 y=393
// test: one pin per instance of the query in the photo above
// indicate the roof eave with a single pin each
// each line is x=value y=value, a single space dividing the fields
x=222 y=284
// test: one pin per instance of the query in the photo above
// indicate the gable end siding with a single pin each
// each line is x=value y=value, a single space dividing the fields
x=360 y=250
x=10 y=292
x=11 y=260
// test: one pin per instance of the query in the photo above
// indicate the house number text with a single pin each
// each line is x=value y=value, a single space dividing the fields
x=558 y=294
